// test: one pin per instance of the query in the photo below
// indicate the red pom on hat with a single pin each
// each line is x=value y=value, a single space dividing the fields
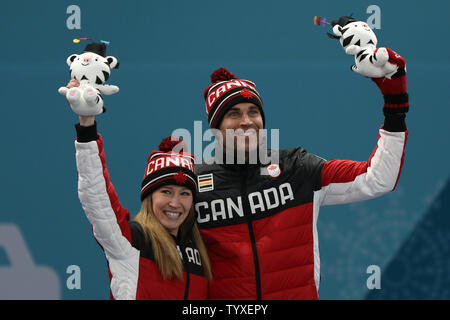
x=222 y=74
x=169 y=143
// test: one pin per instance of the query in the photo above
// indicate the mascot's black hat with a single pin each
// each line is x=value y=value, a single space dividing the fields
x=98 y=48
x=343 y=21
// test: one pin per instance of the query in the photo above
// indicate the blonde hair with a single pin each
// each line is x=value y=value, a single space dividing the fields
x=164 y=248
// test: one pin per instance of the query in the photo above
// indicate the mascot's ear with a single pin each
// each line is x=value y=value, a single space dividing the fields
x=337 y=30
x=71 y=58
x=112 y=61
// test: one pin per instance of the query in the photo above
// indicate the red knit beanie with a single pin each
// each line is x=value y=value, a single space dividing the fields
x=165 y=166
x=225 y=91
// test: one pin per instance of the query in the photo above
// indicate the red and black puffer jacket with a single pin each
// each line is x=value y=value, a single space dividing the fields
x=260 y=222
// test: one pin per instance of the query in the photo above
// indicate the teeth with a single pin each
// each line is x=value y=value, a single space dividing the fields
x=173 y=214
x=245 y=134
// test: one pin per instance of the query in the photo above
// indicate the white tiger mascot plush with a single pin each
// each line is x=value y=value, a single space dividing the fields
x=358 y=40
x=91 y=69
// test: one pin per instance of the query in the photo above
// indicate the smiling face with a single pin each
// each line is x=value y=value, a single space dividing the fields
x=171 y=205
x=91 y=67
x=356 y=33
x=241 y=125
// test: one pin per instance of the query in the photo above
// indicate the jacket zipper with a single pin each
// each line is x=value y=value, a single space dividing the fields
x=186 y=291
x=186 y=266
x=251 y=233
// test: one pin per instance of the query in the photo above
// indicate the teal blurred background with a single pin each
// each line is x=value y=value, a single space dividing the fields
x=167 y=51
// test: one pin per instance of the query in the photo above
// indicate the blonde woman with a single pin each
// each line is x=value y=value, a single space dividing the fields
x=160 y=254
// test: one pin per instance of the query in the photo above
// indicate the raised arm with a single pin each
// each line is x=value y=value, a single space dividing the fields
x=345 y=181
x=103 y=209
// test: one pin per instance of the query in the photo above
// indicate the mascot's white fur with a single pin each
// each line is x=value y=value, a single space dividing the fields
x=92 y=70
x=358 y=40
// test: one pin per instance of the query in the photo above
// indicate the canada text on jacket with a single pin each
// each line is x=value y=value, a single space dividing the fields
x=232 y=208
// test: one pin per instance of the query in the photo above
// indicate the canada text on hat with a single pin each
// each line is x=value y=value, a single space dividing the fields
x=160 y=160
x=217 y=90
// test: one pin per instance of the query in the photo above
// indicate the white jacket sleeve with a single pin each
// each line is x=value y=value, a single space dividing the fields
x=109 y=220
x=345 y=181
